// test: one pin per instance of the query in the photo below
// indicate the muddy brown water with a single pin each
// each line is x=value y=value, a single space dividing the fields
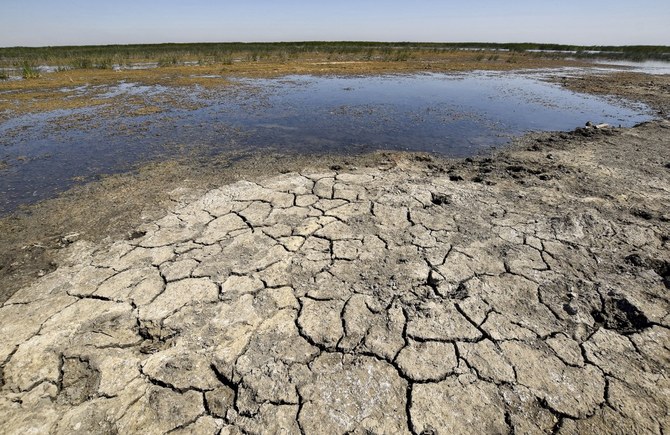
x=453 y=115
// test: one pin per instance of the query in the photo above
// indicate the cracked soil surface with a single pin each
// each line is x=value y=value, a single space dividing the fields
x=522 y=294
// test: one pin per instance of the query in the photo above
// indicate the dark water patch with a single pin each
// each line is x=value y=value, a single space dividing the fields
x=453 y=115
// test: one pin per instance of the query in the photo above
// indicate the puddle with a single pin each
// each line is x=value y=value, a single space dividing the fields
x=454 y=115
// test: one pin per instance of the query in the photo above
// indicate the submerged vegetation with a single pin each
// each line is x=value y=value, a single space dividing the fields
x=109 y=56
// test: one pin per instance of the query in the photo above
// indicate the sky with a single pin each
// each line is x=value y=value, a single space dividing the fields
x=584 y=22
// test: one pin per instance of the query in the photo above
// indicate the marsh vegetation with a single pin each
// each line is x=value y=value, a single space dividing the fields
x=109 y=56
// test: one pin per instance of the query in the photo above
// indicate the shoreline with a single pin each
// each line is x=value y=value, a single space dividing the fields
x=114 y=205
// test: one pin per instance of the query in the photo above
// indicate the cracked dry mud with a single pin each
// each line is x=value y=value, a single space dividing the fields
x=524 y=294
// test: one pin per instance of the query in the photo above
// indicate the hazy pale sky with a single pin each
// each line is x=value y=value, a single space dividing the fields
x=584 y=22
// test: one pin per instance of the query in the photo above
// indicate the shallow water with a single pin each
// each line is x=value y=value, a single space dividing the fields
x=454 y=115
x=653 y=67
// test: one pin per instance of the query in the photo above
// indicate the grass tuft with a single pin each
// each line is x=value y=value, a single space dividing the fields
x=29 y=71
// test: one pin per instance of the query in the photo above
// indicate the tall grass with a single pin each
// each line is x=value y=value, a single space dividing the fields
x=87 y=57
x=82 y=63
x=104 y=63
x=402 y=55
x=91 y=63
x=28 y=71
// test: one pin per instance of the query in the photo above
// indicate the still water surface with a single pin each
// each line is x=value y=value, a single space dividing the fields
x=453 y=115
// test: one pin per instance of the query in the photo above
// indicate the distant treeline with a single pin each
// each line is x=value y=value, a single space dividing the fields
x=102 y=56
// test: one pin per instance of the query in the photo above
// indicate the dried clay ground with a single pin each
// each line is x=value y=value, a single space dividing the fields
x=526 y=292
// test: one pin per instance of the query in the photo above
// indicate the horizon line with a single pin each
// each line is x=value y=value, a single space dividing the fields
x=333 y=42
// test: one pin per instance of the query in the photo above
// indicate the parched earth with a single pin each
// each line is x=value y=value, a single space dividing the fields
x=527 y=293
